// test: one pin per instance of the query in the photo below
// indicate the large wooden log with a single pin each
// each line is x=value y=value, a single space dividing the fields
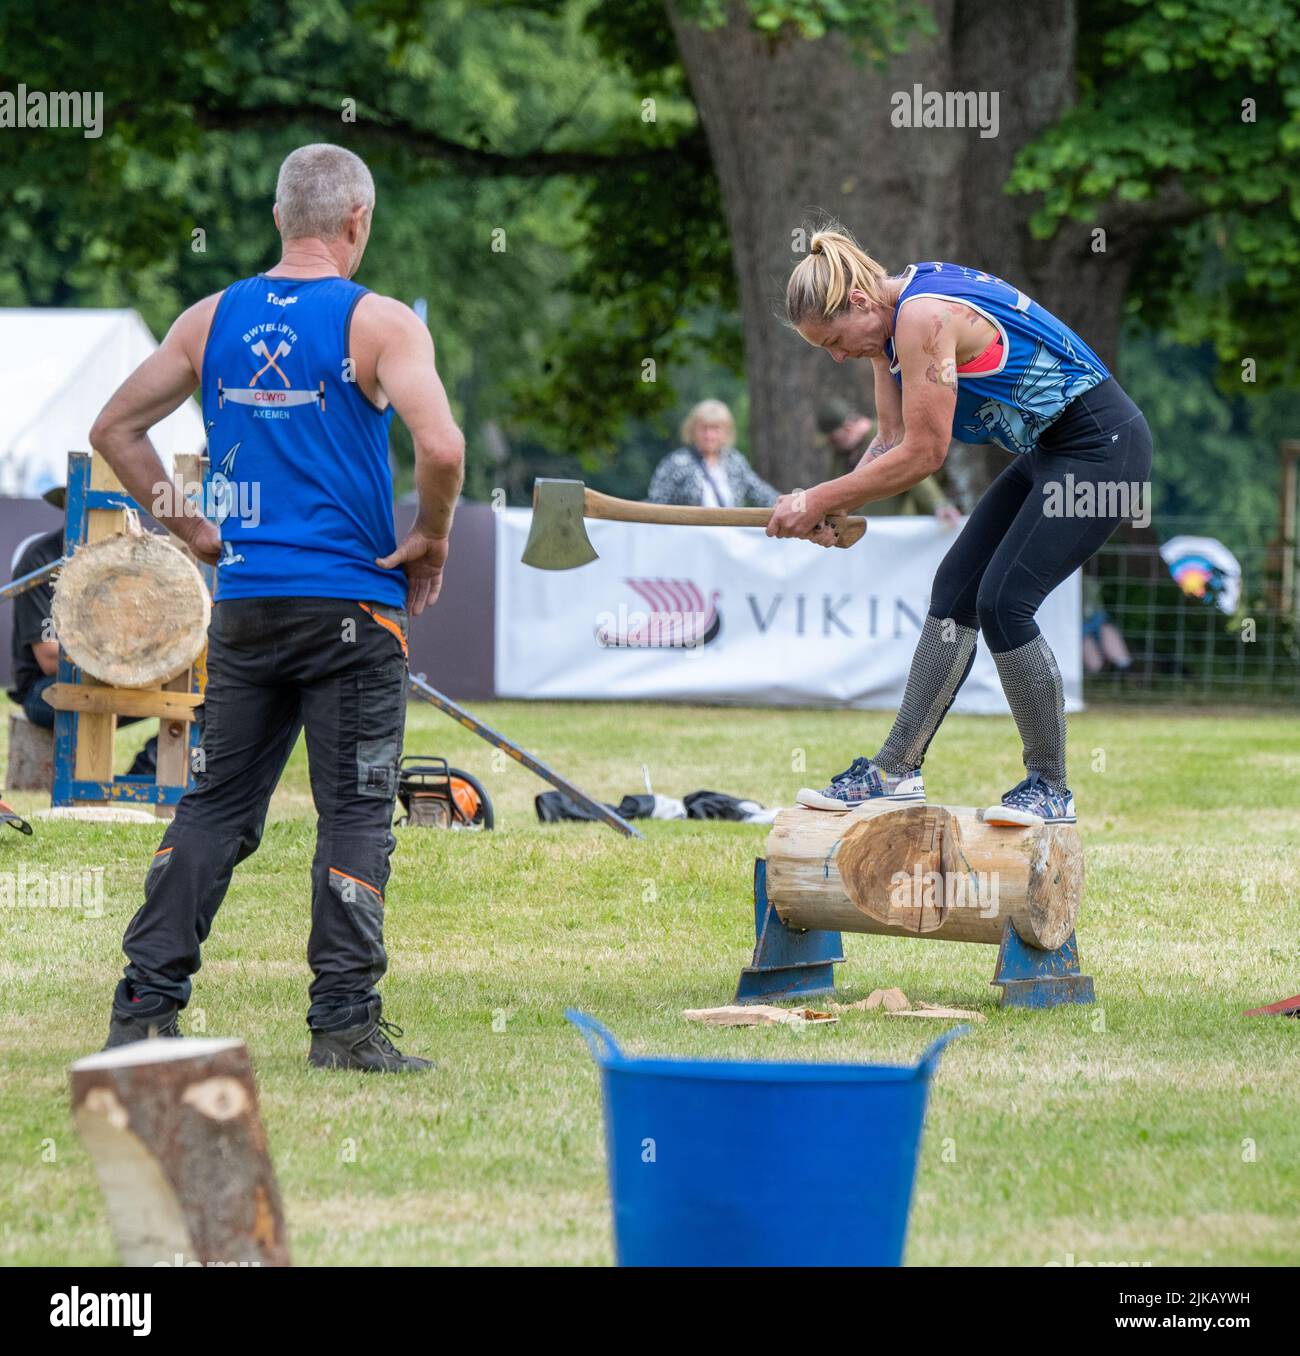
x=131 y=610
x=31 y=755
x=173 y=1130
x=924 y=870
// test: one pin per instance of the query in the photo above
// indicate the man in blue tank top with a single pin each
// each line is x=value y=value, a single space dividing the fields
x=958 y=353
x=301 y=370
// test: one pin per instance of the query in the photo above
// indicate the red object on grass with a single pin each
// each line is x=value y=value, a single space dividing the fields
x=1288 y=1007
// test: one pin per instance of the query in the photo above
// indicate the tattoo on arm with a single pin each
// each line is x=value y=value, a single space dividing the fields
x=877 y=447
x=938 y=324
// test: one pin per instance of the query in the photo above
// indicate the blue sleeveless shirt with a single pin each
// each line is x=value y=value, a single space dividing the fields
x=300 y=485
x=1043 y=365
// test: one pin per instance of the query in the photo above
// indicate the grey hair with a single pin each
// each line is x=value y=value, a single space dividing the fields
x=317 y=189
x=708 y=412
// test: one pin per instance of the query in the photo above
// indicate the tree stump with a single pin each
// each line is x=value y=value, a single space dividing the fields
x=173 y=1129
x=31 y=755
x=924 y=870
x=131 y=610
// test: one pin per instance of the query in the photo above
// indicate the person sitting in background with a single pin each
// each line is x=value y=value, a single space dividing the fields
x=34 y=646
x=1102 y=641
x=848 y=435
x=34 y=649
x=707 y=470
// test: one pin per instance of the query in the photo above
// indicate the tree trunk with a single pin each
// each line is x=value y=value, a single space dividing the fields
x=173 y=1130
x=795 y=125
x=924 y=870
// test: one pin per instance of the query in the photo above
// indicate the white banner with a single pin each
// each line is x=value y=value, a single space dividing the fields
x=726 y=614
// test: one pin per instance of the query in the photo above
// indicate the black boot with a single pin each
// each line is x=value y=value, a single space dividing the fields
x=149 y=1017
x=365 y=1046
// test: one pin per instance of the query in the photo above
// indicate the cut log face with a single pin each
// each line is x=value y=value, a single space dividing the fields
x=173 y=1129
x=924 y=870
x=131 y=610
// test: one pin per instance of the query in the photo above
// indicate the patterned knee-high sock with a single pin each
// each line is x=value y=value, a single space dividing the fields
x=942 y=660
x=1032 y=684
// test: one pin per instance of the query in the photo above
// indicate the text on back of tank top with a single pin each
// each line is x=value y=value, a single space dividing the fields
x=271 y=327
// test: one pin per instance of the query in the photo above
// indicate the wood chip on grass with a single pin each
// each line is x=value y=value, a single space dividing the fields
x=897 y=1004
x=757 y=1014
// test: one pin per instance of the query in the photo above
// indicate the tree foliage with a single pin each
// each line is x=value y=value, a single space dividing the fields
x=1190 y=115
x=565 y=232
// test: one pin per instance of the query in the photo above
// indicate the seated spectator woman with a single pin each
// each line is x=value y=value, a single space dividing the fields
x=707 y=470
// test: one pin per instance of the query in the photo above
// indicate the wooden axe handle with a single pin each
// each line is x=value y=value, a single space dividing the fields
x=847 y=530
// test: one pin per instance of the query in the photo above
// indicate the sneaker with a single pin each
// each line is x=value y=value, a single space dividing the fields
x=366 y=1047
x=860 y=782
x=1032 y=802
x=156 y=1017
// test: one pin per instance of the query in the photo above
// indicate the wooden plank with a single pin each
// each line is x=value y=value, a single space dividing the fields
x=96 y=731
x=174 y=739
x=122 y=701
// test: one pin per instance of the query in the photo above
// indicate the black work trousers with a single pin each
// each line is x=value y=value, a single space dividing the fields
x=276 y=666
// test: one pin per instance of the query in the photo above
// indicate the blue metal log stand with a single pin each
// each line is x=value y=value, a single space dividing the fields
x=788 y=963
x=1031 y=978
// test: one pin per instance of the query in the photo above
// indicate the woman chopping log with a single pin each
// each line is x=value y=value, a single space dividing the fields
x=958 y=353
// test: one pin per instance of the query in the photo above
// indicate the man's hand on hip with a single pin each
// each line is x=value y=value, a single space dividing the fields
x=422 y=557
x=200 y=536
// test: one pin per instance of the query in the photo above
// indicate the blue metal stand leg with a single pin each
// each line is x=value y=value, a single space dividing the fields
x=787 y=963
x=1031 y=978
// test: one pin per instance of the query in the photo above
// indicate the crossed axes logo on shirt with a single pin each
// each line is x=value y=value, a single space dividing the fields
x=260 y=350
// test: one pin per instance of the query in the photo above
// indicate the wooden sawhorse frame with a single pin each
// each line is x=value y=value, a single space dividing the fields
x=86 y=710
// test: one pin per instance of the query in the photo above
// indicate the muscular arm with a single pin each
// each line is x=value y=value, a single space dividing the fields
x=407 y=375
x=167 y=377
x=916 y=427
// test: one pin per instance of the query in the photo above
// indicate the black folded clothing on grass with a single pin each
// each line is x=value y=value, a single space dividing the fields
x=554 y=806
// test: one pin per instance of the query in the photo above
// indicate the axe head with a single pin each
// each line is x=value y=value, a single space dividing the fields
x=557 y=539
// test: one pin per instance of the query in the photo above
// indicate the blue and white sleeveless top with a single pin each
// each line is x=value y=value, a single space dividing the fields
x=1043 y=364
x=301 y=487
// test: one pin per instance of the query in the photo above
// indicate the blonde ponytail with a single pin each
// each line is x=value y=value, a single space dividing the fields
x=836 y=265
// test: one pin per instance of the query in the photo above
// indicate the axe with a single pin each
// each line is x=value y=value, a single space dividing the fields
x=557 y=539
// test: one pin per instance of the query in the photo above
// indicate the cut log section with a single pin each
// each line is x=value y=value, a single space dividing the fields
x=131 y=610
x=31 y=755
x=924 y=870
x=173 y=1129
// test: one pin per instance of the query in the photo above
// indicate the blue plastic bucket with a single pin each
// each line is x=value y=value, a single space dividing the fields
x=740 y=1163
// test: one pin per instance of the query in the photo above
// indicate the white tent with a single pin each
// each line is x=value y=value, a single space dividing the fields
x=57 y=369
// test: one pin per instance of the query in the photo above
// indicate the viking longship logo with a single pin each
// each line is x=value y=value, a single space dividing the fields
x=676 y=616
x=269 y=387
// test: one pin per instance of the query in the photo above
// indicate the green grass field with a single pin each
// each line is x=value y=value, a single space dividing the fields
x=1159 y=1127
